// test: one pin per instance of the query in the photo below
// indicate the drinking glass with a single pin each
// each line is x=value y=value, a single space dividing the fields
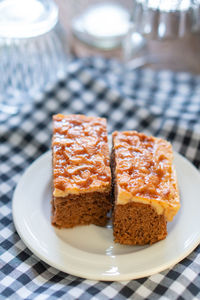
x=164 y=34
x=33 y=50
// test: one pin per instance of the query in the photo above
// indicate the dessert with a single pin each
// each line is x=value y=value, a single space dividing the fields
x=81 y=171
x=145 y=188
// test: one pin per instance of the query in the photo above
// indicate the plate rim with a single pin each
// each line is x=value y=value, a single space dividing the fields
x=120 y=277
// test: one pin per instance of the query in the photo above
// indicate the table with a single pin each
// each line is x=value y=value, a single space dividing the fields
x=160 y=103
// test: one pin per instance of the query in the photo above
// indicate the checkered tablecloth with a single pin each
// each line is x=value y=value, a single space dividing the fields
x=159 y=103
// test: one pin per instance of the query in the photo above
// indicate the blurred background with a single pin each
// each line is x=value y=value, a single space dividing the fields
x=168 y=31
x=39 y=37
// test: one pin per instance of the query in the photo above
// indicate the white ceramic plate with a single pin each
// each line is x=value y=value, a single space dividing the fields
x=89 y=251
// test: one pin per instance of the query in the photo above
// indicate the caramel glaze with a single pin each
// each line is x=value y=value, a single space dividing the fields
x=80 y=153
x=144 y=166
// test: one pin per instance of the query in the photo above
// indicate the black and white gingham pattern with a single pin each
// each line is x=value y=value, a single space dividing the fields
x=159 y=103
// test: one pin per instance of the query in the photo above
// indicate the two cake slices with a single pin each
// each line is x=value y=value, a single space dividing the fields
x=143 y=177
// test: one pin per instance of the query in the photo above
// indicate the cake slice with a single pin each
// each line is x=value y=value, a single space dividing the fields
x=145 y=188
x=81 y=171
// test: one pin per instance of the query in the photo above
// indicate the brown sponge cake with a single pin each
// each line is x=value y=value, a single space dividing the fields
x=81 y=171
x=146 y=192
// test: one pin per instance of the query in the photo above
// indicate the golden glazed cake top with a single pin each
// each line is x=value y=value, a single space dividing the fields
x=80 y=155
x=144 y=172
